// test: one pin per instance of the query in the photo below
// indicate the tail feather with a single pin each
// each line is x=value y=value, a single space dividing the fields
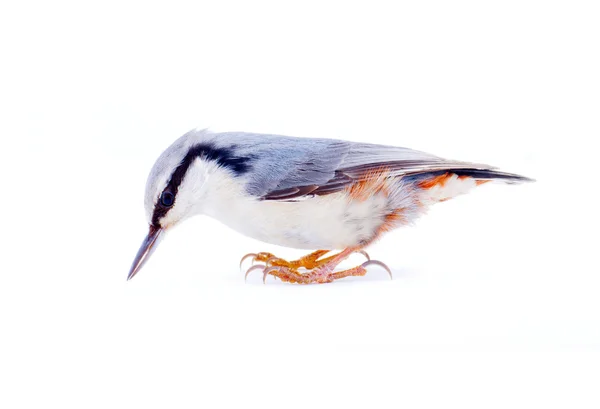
x=480 y=174
x=492 y=174
x=442 y=185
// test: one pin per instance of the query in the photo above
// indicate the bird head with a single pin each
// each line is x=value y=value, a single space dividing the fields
x=173 y=191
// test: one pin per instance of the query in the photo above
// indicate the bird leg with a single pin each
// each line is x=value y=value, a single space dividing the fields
x=322 y=273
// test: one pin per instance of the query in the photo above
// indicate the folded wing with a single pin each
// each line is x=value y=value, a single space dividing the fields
x=288 y=168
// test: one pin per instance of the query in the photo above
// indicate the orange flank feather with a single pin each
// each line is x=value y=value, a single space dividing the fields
x=441 y=180
x=376 y=181
x=437 y=180
x=390 y=222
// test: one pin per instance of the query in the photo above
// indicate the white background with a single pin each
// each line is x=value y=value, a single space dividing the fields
x=495 y=298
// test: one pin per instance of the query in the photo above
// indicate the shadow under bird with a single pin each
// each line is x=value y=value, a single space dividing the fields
x=302 y=193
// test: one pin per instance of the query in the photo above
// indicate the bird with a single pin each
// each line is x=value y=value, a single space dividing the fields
x=329 y=196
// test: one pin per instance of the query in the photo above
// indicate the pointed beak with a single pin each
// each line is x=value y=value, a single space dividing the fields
x=148 y=246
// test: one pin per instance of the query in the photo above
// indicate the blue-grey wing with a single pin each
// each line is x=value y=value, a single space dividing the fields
x=281 y=165
x=285 y=168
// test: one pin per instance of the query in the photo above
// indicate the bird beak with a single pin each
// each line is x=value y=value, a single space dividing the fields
x=148 y=246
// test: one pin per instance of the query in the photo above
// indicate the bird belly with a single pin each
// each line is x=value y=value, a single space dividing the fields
x=324 y=222
x=335 y=221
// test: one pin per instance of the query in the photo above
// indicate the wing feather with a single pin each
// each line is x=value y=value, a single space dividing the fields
x=358 y=162
x=289 y=168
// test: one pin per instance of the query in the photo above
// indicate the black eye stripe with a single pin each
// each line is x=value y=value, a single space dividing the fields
x=225 y=157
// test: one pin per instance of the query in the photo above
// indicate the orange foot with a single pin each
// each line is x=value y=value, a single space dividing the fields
x=321 y=271
x=309 y=261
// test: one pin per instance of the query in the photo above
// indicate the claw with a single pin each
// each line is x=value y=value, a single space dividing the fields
x=377 y=263
x=256 y=267
x=253 y=255
x=267 y=271
x=364 y=253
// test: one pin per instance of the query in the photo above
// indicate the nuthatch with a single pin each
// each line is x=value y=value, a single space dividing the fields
x=303 y=193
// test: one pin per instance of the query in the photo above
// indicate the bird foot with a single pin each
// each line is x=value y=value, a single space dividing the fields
x=320 y=275
x=320 y=271
x=309 y=262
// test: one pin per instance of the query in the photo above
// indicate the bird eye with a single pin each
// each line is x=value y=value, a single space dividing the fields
x=167 y=199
